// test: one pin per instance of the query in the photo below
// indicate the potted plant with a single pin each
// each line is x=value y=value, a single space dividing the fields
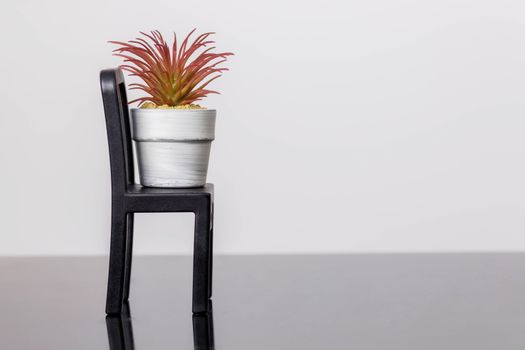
x=172 y=134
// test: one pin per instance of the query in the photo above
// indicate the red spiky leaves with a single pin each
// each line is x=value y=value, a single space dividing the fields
x=172 y=75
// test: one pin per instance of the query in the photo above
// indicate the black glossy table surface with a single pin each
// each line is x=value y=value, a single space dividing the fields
x=391 y=301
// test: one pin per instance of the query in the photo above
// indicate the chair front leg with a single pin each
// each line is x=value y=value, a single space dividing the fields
x=203 y=337
x=211 y=253
x=201 y=261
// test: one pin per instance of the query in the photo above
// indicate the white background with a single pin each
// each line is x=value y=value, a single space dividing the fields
x=343 y=126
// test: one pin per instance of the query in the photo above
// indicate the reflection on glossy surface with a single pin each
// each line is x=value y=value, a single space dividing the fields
x=203 y=337
x=361 y=302
x=120 y=330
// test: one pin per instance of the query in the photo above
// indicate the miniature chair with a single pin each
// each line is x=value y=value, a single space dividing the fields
x=129 y=198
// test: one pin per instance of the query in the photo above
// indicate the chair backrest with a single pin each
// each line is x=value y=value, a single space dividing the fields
x=118 y=129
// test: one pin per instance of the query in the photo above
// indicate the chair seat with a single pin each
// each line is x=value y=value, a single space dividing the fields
x=136 y=189
x=138 y=198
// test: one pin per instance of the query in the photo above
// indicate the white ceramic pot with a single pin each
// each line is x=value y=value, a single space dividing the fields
x=173 y=145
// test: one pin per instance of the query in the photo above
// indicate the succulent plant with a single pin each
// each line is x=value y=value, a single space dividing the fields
x=172 y=75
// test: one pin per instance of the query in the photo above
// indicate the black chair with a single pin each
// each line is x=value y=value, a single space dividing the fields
x=129 y=198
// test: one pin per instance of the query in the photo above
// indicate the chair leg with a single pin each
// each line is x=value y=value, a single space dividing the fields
x=129 y=254
x=203 y=337
x=117 y=264
x=120 y=330
x=201 y=262
x=211 y=256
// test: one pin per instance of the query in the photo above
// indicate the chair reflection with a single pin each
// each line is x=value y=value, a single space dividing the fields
x=120 y=330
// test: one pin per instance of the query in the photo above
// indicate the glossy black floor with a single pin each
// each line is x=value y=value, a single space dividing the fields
x=412 y=301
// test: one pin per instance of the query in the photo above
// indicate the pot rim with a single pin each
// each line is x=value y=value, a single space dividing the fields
x=172 y=109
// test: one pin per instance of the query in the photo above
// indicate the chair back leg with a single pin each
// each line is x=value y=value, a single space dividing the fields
x=118 y=262
x=130 y=218
x=120 y=330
